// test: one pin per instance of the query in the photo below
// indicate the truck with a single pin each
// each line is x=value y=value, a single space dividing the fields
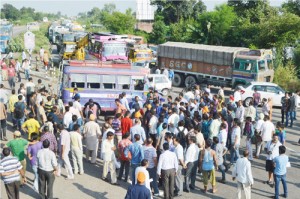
x=215 y=65
x=139 y=53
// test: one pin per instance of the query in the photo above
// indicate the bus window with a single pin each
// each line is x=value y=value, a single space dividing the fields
x=77 y=80
x=109 y=82
x=270 y=64
x=93 y=81
x=237 y=65
x=248 y=67
x=261 y=65
x=137 y=82
x=123 y=82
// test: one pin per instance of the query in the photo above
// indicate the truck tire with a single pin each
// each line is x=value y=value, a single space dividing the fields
x=190 y=80
x=178 y=80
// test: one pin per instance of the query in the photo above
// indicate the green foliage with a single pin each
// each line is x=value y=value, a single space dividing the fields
x=292 y=6
x=17 y=44
x=286 y=77
x=159 y=32
x=24 y=15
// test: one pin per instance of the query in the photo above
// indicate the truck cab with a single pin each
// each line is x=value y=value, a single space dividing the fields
x=253 y=65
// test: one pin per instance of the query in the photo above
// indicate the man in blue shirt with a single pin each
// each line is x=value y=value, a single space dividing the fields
x=138 y=190
x=137 y=154
x=280 y=163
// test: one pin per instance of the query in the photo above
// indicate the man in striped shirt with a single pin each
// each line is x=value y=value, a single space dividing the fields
x=10 y=170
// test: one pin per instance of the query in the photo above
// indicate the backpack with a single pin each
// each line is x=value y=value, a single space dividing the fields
x=18 y=112
x=181 y=137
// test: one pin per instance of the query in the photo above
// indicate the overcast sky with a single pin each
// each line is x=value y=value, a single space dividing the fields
x=73 y=7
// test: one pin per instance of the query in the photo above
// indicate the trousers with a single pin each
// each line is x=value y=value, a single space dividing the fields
x=66 y=162
x=112 y=169
x=179 y=181
x=190 y=176
x=168 y=177
x=247 y=190
x=46 y=181
x=12 y=190
x=77 y=160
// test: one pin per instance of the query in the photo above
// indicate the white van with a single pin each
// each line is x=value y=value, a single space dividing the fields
x=160 y=83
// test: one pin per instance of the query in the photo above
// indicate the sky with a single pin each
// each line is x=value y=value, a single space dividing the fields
x=73 y=7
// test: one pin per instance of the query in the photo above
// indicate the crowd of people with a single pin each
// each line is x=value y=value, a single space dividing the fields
x=161 y=142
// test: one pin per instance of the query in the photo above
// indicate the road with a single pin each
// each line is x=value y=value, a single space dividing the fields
x=18 y=30
x=90 y=185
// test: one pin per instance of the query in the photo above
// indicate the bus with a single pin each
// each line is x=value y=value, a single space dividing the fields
x=107 y=48
x=102 y=82
x=6 y=32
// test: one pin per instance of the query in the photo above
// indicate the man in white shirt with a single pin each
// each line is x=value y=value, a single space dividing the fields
x=214 y=127
x=189 y=95
x=178 y=177
x=67 y=120
x=153 y=126
x=191 y=163
x=166 y=169
x=77 y=106
x=77 y=149
x=242 y=172
x=138 y=129
x=272 y=149
x=124 y=101
x=65 y=146
x=75 y=111
x=237 y=95
x=173 y=120
x=235 y=141
x=108 y=158
x=267 y=130
x=223 y=134
x=240 y=114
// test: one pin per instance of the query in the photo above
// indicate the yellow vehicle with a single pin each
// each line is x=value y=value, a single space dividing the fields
x=140 y=54
x=75 y=50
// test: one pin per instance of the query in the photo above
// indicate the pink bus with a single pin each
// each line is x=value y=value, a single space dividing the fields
x=107 y=48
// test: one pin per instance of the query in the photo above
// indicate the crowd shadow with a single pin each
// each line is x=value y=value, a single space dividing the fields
x=93 y=194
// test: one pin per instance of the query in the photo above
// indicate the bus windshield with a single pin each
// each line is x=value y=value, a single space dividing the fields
x=114 y=49
x=68 y=37
x=70 y=48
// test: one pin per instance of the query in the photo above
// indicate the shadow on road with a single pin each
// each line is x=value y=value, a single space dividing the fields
x=93 y=194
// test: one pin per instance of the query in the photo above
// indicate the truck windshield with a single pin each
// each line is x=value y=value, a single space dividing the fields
x=114 y=49
x=70 y=48
x=262 y=65
x=143 y=55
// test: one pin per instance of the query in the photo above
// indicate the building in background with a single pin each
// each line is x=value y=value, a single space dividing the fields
x=144 y=15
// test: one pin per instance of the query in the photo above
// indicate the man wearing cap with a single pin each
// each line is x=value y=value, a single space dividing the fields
x=91 y=133
x=138 y=191
x=17 y=146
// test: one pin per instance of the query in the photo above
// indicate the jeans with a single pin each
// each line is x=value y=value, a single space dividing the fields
x=294 y=115
x=125 y=164
x=234 y=154
x=27 y=75
x=133 y=167
x=282 y=116
x=36 y=178
x=153 y=175
x=190 y=176
x=19 y=124
x=19 y=76
x=222 y=169
x=289 y=115
x=256 y=115
x=277 y=179
x=11 y=81
x=2 y=129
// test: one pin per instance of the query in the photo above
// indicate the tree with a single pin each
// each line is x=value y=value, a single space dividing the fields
x=9 y=12
x=292 y=6
x=159 y=31
x=216 y=24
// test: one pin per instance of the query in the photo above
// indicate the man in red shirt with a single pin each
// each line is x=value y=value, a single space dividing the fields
x=11 y=76
x=125 y=161
x=126 y=123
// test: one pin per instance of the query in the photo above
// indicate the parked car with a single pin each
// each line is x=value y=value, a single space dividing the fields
x=266 y=90
x=160 y=83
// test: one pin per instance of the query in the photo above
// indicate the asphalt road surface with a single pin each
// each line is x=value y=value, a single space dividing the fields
x=90 y=184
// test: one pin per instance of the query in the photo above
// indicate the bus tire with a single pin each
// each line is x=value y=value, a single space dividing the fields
x=178 y=80
x=190 y=80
